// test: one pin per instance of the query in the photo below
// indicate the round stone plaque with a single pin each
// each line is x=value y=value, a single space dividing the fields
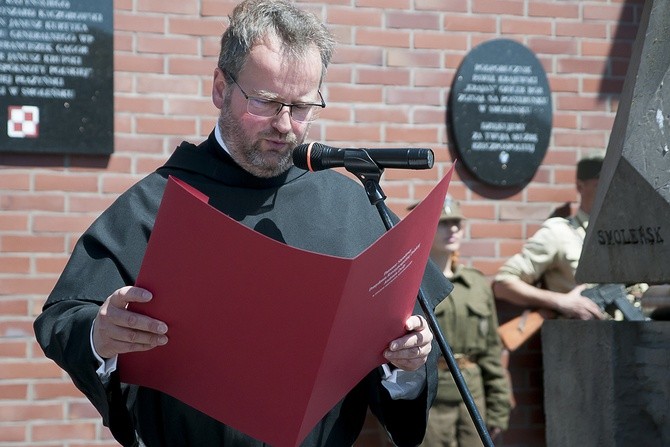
x=500 y=112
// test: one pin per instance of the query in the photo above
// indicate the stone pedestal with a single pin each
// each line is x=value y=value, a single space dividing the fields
x=606 y=383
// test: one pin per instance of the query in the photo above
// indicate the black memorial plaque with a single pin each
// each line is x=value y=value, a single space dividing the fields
x=56 y=76
x=500 y=112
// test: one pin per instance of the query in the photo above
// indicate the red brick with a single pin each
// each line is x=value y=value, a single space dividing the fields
x=577 y=30
x=165 y=84
x=166 y=125
x=13 y=433
x=217 y=8
x=416 y=58
x=51 y=389
x=560 y=46
x=29 y=369
x=195 y=66
x=28 y=411
x=138 y=63
x=66 y=182
x=191 y=107
x=16 y=181
x=82 y=409
x=13 y=306
x=582 y=65
x=412 y=20
x=412 y=134
x=354 y=55
x=164 y=45
x=135 y=104
x=13 y=221
x=123 y=42
x=580 y=139
x=384 y=4
x=581 y=103
x=376 y=115
x=470 y=23
x=50 y=265
x=64 y=431
x=527 y=26
x=354 y=94
x=196 y=27
x=32 y=244
x=118 y=183
x=32 y=202
x=407 y=96
x=158 y=6
x=437 y=41
x=136 y=23
x=354 y=17
x=386 y=38
x=359 y=133
x=13 y=391
x=511 y=7
x=442 y=5
x=564 y=10
x=13 y=348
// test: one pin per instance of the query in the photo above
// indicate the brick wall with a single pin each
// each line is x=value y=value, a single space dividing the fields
x=389 y=85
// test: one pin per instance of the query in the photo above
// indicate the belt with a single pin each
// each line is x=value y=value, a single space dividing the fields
x=462 y=361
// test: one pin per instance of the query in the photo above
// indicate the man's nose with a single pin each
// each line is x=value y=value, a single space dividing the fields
x=282 y=120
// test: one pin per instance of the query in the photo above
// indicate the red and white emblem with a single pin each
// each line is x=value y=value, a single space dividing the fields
x=23 y=121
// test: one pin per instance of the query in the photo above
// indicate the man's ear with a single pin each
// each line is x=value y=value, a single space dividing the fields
x=218 y=88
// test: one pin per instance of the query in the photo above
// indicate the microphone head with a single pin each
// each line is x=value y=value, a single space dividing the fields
x=310 y=156
x=300 y=156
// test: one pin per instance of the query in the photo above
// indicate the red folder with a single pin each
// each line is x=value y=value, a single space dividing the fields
x=269 y=348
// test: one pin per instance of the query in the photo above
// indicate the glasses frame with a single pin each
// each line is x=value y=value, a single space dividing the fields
x=280 y=105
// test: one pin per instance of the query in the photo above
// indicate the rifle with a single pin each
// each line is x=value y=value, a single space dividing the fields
x=614 y=296
x=608 y=296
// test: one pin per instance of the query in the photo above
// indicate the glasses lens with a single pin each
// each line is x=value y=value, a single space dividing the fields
x=304 y=113
x=261 y=107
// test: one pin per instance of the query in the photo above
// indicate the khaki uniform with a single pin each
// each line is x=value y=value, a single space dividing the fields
x=469 y=322
x=550 y=255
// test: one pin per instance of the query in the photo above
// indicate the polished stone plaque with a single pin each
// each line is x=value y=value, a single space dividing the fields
x=628 y=238
x=500 y=112
x=56 y=76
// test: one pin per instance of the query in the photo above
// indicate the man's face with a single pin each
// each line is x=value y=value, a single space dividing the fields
x=263 y=146
x=448 y=236
x=587 y=190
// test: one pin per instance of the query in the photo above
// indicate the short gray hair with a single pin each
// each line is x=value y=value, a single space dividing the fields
x=252 y=20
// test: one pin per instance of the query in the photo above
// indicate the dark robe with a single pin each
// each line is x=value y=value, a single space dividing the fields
x=324 y=212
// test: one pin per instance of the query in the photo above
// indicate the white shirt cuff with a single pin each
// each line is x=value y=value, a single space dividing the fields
x=105 y=367
x=403 y=384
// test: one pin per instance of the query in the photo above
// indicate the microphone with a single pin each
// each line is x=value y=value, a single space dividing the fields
x=317 y=156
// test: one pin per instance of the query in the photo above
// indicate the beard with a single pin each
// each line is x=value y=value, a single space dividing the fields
x=248 y=153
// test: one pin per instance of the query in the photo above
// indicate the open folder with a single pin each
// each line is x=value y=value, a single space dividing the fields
x=270 y=347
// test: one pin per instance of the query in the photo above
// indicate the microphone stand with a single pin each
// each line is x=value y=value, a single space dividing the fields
x=369 y=174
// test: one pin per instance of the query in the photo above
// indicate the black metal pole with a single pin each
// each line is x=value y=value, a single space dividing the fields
x=370 y=179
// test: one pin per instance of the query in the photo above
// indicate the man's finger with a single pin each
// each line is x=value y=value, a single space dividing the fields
x=415 y=323
x=129 y=294
x=126 y=319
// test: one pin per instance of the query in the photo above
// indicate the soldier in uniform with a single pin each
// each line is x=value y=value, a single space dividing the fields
x=469 y=322
x=542 y=275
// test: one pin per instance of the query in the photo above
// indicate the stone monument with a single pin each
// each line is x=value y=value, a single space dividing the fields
x=606 y=382
x=628 y=239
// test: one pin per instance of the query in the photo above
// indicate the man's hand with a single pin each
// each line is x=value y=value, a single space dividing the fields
x=117 y=330
x=494 y=432
x=411 y=351
x=575 y=305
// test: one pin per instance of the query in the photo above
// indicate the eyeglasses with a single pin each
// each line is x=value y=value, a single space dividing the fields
x=265 y=108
